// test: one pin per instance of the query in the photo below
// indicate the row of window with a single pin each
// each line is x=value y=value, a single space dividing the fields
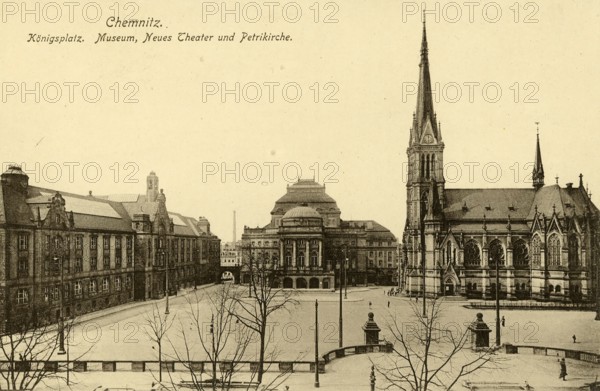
x=53 y=293
x=521 y=259
x=302 y=242
x=381 y=254
x=380 y=263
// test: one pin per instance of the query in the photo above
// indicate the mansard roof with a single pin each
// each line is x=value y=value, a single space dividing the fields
x=305 y=191
x=88 y=212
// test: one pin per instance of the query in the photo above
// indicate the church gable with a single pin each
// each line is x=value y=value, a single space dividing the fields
x=428 y=136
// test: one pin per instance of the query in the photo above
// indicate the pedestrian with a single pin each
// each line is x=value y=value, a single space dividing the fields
x=563 y=369
x=574 y=339
x=388 y=304
x=417 y=298
x=503 y=320
x=369 y=305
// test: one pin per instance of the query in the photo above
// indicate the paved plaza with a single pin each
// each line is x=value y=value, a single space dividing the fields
x=120 y=336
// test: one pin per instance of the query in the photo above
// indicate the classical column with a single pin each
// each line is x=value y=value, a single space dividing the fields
x=320 y=256
x=307 y=254
x=293 y=253
x=281 y=254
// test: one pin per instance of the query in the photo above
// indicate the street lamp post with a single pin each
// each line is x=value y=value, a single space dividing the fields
x=497 y=302
x=162 y=254
x=345 y=272
x=341 y=321
x=317 y=344
x=61 y=325
x=250 y=270
x=423 y=265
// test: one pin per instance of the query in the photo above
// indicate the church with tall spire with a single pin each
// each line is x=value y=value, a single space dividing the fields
x=543 y=240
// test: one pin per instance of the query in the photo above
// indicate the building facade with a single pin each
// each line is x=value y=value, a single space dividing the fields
x=84 y=253
x=543 y=240
x=307 y=243
x=231 y=261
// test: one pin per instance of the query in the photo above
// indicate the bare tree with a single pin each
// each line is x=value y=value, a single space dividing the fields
x=428 y=355
x=157 y=325
x=218 y=335
x=28 y=352
x=266 y=299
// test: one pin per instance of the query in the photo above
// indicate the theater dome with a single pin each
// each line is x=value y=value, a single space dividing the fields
x=301 y=212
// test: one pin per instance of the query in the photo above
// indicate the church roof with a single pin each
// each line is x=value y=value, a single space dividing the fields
x=466 y=207
x=472 y=204
x=564 y=201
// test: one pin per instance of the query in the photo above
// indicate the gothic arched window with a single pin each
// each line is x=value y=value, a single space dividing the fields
x=554 y=250
x=472 y=254
x=536 y=250
x=573 y=251
x=496 y=253
x=521 y=254
x=448 y=252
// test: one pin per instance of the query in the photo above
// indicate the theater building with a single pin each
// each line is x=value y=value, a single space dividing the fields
x=543 y=240
x=85 y=253
x=307 y=243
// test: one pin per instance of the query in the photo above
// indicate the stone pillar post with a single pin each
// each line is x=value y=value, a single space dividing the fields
x=281 y=254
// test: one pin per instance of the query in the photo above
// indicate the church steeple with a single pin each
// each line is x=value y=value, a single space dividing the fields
x=538 y=167
x=425 y=115
x=425 y=152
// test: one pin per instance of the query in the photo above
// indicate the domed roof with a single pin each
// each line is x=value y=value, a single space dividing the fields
x=302 y=211
x=14 y=170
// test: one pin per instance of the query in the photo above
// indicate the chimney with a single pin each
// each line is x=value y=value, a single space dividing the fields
x=234 y=233
x=570 y=185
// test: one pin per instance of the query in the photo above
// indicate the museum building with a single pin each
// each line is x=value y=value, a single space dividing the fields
x=84 y=253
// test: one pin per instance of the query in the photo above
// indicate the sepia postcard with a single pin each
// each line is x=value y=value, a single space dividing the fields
x=298 y=195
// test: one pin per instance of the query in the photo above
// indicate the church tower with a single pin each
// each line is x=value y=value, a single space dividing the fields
x=538 y=167
x=151 y=187
x=425 y=185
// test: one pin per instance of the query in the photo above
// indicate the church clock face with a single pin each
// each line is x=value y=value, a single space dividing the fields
x=428 y=139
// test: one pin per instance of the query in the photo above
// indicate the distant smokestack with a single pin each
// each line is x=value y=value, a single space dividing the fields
x=234 y=236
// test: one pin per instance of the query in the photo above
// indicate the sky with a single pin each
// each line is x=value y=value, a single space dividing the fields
x=227 y=125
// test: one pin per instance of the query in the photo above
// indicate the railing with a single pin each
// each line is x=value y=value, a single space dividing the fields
x=386 y=347
x=555 y=352
x=195 y=366
x=533 y=305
